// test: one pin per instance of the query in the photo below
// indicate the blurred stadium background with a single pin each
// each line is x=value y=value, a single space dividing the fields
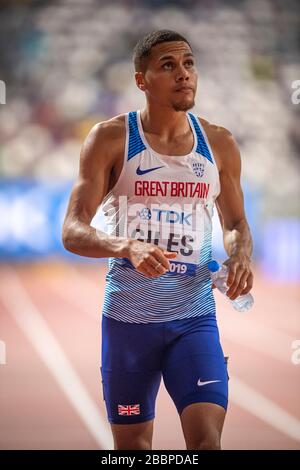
x=66 y=65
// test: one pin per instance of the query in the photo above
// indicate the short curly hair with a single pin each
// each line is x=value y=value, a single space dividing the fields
x=142 y=49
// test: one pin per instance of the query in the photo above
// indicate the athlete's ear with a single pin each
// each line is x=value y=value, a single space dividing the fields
x=139 y=80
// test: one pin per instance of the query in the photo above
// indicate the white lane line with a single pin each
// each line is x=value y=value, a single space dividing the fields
x=35 y=328
x=265 y=409
x=2 y=353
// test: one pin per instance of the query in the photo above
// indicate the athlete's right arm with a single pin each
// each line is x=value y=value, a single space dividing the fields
x=95 y=167
x=97 y=161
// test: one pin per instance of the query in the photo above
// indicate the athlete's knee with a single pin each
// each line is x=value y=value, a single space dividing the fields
x=132 y=444
x=207 y=443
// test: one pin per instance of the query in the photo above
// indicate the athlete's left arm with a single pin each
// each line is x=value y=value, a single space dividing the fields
x=230 y=205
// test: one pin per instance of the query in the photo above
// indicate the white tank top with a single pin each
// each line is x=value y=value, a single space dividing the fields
x=166 y=200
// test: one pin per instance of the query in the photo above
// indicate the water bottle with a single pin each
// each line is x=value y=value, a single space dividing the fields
x=219 y=277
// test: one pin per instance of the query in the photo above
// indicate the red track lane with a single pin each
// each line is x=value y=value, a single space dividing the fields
x=35 y=414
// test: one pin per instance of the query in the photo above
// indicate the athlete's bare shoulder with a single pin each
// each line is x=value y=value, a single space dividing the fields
x=111 y=131
x=221 y=141
x=104 y=145
x=214 y=130
x=114 y=125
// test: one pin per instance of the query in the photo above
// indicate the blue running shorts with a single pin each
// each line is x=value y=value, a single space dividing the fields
x=187 y=353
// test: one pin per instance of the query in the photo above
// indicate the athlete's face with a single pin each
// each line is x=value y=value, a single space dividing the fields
x=171 y=76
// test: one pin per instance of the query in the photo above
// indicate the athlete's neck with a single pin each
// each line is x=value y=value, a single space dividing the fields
x=164 y=122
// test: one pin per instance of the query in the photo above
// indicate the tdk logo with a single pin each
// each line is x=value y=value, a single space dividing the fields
x=169 y=216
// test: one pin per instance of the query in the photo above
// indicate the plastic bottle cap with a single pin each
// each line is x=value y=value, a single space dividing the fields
x=213 y=266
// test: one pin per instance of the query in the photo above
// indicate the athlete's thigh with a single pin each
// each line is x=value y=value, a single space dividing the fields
x=194 y=367
x=133 y=436
x=202 y=425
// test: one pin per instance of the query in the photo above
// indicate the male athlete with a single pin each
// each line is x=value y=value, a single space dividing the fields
x=157 y=173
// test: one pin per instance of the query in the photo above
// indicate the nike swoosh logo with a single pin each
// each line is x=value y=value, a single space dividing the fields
x=143 y=172
x=207 y=382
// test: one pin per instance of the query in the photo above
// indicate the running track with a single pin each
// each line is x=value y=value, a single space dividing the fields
x=50 y=388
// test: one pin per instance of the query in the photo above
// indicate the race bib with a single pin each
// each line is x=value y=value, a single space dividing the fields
x=176 y=228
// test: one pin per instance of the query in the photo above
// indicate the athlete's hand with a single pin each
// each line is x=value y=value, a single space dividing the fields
x=240 y=277
x=146 y=257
